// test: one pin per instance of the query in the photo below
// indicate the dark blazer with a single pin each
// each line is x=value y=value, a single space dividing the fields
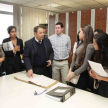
x=10 y=58
x=30 y=51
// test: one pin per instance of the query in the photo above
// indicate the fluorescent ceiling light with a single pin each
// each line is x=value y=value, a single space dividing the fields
x=53 y=5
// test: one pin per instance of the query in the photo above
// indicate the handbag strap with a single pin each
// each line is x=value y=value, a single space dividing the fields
x=96 y=84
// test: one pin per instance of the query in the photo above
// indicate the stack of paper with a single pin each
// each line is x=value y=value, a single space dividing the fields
x=61 y=94
x=7 y=46
x=42 y=80
x=59 y=99
x=97 y=67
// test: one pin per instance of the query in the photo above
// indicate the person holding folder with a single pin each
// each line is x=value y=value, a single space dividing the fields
x=100 y=43
x=13 y=60
x=38 y=54
x=83 y=53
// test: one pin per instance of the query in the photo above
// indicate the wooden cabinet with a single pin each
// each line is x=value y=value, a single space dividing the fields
x=45 y=26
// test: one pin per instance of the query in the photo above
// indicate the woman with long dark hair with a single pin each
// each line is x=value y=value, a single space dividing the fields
x=100 y=43
x=84 y=52
x=13 y=60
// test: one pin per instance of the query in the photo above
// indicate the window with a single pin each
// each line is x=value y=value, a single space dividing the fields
x=6 y=7
x=6 y=19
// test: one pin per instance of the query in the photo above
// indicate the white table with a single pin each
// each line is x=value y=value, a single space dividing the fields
x=17 y=94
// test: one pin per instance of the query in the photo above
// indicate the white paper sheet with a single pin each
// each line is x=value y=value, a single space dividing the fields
x=7 y=46
x=60 y=90
x=42 y=80
x=37 y=79
x=97 y=67
x=54 y=97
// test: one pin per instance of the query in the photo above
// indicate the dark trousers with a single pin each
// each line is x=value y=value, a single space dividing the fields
x=13 y=68
x=103 y=89
x=0 y=71
x=41 y=71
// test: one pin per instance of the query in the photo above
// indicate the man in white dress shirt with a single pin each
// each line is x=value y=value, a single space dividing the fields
x=61 y=44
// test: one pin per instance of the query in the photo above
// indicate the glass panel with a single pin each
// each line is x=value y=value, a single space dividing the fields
x=5 y=22
x=6 y=7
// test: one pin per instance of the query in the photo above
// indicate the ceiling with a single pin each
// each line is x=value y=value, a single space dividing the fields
x=66 y=5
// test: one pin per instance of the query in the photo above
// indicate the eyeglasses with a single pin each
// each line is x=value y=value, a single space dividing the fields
x=35 y=93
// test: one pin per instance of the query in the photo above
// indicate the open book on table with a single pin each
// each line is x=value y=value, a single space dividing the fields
x=39 y=80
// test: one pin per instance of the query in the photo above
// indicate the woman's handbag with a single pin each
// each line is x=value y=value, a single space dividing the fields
x=75 y=79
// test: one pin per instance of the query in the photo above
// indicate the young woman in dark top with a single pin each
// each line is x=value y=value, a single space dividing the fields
x=100 y=43
x=83 y=53
x=13 y=60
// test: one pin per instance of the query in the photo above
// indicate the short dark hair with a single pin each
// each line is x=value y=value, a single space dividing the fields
x=99 y=31
x=59 y=23
x=36 y=28
x=10 y=28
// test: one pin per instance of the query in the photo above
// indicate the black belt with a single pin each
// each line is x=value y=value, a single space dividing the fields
x=61 y=60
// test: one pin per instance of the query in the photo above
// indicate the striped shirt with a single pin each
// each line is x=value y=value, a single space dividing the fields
x=61 y=46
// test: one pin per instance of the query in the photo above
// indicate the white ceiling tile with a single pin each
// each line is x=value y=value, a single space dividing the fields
x=53 y=0
x=70 y=9
x=83 y=8
x=89 y=3
x=54 y=9
x=31 y=4
x=79 y=1
x=45 y=3
x=75 y=5
x=62 y=7
x=37 y=3
x=28 y=0
x=46 y=7
x=65 y=2
x=102 y=1
x=106 y=4
x=43 y=7
x=96 y=6
x=18 y=1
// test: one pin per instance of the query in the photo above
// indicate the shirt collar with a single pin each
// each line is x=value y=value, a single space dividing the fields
x=37 y=40
x=59 y=35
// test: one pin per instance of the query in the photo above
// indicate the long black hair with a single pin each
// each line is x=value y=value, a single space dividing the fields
x=78 y=40
x=99 y=31
x=101 y=55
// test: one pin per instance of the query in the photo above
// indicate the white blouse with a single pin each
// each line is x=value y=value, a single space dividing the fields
x=74 y=48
